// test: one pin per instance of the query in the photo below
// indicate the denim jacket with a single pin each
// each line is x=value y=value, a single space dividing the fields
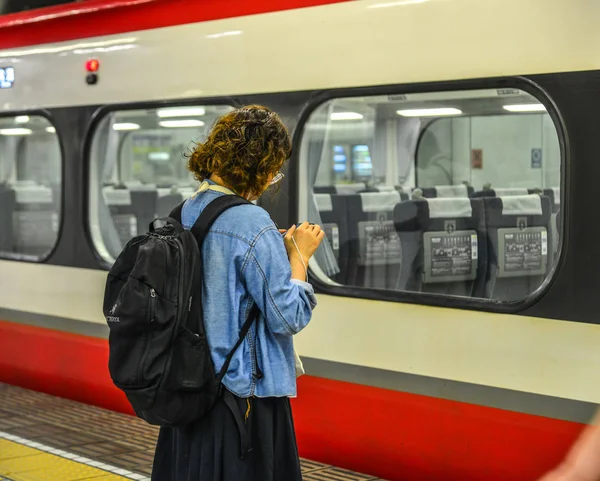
x=245 y=262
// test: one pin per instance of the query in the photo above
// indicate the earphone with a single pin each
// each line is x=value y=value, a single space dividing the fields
x=298 y=251
x=301 y=259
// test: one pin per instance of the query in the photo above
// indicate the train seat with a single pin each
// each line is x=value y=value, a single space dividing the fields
x=144 y=204
x=122 y=213
x=443 y=246
x=375 y=252
x=502 y=192
x=349 y=189
x=334 y=217
x=519 y=235
x=554 y=196
x=447 y=191
x=167 y=199
x=35 y=219
x=132 y=210
x=7 y=209
x=324 y=189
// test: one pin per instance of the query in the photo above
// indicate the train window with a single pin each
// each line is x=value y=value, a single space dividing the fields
x=453 y=193
x=138 y=170
x=30 y=187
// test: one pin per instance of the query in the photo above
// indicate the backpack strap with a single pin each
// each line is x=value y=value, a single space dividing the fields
x=254 y=313
x=210 y=214
x=176 y=212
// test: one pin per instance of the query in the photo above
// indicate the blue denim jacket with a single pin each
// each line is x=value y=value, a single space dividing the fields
x=245 y=261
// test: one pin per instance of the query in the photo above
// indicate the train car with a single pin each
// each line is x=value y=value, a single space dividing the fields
x=449 y=149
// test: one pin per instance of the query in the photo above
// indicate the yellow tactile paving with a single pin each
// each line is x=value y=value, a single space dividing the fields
x=9 y=450
x=23 y=463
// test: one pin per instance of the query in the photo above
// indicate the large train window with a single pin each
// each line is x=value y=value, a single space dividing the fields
x=452 y=193
x=30 y=187
x=138 y=170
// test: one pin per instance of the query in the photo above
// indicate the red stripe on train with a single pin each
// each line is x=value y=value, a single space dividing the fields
x=386 y=433
x=106 y=17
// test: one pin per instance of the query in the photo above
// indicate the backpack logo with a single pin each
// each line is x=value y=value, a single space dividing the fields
x=111 y=317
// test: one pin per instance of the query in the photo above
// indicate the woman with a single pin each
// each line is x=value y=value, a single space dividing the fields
x=249 y=434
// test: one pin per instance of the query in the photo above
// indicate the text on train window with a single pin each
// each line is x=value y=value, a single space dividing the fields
x=30 y=187
x=138 y=169
x=452 y=193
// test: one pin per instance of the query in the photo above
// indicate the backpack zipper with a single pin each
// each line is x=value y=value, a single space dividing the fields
x=147 y=346
x=152 y=304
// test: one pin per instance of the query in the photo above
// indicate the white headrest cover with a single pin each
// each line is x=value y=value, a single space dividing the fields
x=26 y=194
x=187 y=191
x=114 y=196
x=24 y=183
x=132 y=183
x=324 y=203
x=506 y=191
x=452 y=190
x=448 y=208
x=556 y=191
x=379 y=201
x=349 y=189
x=522 y=205
x=141 y=187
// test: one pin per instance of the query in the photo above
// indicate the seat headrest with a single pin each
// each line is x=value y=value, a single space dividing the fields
x=324 y=203
x=522 y=205
x=508 y=191
x=116 y=197
x=452 y=191
x=379 y=201
x=556 y=191
x=187 y=191
x=349 y=189
x=142 y=187
x=453 y=208
x=32 y=194
x=132 y=183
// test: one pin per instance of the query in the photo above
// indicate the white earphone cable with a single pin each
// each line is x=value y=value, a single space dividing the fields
x=301 y=259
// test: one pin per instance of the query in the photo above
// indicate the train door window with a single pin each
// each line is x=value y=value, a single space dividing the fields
x=453 y=193
x=30 y=187
x=138 y=169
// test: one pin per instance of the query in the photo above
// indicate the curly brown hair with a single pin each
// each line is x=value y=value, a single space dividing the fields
x=244 y=147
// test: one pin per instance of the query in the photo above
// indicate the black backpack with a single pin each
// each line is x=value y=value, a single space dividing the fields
x=159 y=355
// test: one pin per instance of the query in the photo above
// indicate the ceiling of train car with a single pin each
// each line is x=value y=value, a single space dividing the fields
x=469 y=103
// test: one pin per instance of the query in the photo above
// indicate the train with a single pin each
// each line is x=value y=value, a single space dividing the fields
x=448 y=147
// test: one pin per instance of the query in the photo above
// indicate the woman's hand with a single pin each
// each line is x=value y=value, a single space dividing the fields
x=307 y=239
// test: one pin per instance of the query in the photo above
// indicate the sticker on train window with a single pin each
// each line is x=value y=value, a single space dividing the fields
x=7 y=77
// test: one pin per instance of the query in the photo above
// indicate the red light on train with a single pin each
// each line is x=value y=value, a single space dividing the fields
x=92 y=65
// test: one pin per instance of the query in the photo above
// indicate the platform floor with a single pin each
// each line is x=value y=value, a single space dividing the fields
x=46 y=438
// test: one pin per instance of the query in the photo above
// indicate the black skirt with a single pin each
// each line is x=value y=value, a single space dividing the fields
x=239 y=440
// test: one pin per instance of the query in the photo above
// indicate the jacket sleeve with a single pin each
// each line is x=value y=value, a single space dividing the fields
x=286 y=303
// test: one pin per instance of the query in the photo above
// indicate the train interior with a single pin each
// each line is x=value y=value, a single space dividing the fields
x=455 y=192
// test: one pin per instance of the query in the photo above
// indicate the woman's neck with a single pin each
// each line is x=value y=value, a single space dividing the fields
x=217 y=180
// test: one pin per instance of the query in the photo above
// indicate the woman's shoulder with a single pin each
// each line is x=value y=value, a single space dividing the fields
x=247 y=222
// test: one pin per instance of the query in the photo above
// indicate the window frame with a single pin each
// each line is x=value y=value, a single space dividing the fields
x=45 y=113
x=525 y=84
x=98 y=115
